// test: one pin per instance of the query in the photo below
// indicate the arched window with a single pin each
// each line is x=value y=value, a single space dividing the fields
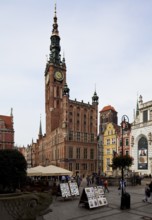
x=142 y=153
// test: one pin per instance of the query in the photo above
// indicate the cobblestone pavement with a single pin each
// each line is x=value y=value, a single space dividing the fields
x=70 y=209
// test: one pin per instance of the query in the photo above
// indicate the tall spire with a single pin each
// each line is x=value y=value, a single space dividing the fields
x=55 y=56
x=11 y=112
x=55 y=24
x=40 y=129
x=95 y=98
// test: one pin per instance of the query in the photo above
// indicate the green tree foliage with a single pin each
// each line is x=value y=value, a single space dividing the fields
x=122 y=161
x=13 y=168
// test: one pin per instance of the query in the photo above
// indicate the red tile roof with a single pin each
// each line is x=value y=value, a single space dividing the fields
x=107 y=108
x=7 y=120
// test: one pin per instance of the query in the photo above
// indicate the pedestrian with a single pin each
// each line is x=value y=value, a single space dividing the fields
x=147 y=193
x=83 y=184
x=106 y=186
x=122 y=186
x=150 y=186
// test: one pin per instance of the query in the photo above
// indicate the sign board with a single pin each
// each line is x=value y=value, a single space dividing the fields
x=93 y=197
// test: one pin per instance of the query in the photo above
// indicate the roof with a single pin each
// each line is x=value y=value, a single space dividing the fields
x=107 y=108
x=7 y=120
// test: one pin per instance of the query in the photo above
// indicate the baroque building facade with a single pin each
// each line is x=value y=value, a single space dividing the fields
x=71 y=126
x=141 y=138
x=111 y=139
x=107 y=143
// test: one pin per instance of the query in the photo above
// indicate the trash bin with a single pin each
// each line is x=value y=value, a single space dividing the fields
x=125 y=201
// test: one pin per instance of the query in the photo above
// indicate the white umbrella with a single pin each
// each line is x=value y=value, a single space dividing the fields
x=35 y=171
x=52 y=170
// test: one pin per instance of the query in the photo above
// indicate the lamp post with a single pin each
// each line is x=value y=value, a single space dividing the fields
x=124 y=127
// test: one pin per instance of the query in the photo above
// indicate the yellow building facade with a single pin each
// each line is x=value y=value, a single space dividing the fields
x=109 y=146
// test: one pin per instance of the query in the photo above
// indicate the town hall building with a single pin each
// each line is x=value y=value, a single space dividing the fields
x=71 y=126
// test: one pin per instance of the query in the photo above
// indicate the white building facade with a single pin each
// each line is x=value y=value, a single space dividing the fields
x=141 y=138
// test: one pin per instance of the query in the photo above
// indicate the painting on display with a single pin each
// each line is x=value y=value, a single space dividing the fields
x=74 y=188
x=65 y=191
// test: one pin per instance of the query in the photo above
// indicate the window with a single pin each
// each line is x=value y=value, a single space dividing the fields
x=78 y=153
x=150 y=114
x=92 y=137
x=70 y=166
x=108 y=141
x=78 y=136
x=71 y=136
x=91 y=154
x=70 y=152
x=92 y=167
x=145 y=116
x=85 y=137
x=85 y=166
x=107 y=164
x=58 y=92
x=108 y=151
x=113 y=140
x=77 y=166
x=85 y=153
x=127 y=152
x=127 y=142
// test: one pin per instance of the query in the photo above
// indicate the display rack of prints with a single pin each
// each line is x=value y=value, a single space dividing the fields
x=65 y=191
x=93 y=197
x=69 y=189
x=74 y=189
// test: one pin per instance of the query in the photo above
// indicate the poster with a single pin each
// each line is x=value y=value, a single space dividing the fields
x=143 y=153
x=90 y=192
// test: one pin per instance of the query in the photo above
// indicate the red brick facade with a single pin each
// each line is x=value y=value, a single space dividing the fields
x=6 y=132
x=71 y=126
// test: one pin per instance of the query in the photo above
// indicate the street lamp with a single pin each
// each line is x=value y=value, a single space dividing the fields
x=124 y=127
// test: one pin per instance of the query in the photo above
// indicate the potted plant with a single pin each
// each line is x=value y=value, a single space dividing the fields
x=122 y=161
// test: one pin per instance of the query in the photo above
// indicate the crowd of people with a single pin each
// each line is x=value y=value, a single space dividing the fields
x=86 y=181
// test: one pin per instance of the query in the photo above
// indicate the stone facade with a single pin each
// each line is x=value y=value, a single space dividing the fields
x=141 y=138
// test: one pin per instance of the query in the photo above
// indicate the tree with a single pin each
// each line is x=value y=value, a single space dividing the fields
x=122 y=161
x=13 y=168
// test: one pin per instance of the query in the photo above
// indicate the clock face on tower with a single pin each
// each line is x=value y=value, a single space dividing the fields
x=58 y=76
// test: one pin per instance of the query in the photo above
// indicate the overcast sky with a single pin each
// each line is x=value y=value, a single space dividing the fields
x=107 y=45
